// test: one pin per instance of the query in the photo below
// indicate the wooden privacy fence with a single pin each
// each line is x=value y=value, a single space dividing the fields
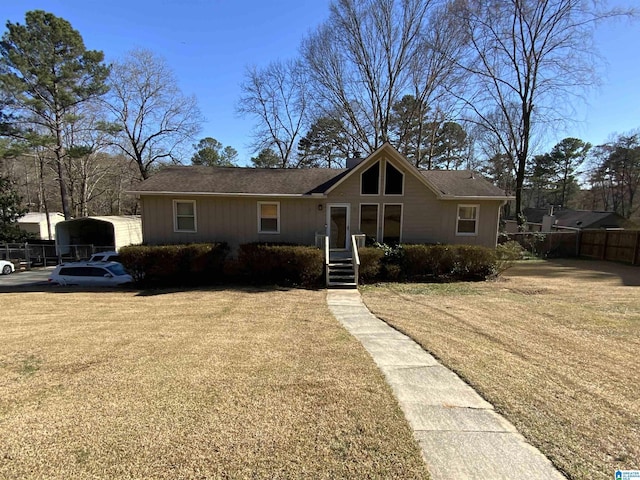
x=550 y=244
x=614 y=245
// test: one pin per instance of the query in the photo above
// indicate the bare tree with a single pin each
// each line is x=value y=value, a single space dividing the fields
x=278 y=98
x=616 y=174
x=154 y=118
x=435 y=76
x=361 y=61
x=86 y=140
x=528 y=58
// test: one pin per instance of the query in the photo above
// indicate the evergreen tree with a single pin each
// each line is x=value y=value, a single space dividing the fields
x=210 y=152
x=47 y=72
x=267 y=158
x=10 y=211
x=325 y=145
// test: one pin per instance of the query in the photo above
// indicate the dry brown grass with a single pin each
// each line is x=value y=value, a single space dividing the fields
x=555 y=346
x=207 y=384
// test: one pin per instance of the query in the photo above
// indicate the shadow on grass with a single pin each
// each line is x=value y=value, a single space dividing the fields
x=152 y=292
x=578 y=269
x=149 y=292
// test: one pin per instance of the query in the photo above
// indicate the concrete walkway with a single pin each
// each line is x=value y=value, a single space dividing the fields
x=460 y=434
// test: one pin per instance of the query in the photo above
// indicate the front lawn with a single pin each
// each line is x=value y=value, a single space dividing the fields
x=202 y=384
x=555 y=346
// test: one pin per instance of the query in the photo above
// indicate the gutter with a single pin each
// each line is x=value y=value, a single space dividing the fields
x=502 y=198
x=218 y=194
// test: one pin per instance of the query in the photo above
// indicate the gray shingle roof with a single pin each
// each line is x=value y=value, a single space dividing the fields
x=259 y=181
x=462 y=183
x=277 y=181
x=588 y=219
x=578 y=218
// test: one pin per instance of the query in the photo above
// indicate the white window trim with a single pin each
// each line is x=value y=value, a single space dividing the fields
x=384 y=183
x=380 y=175
x=269 y=232
x=384 y=206
x=477 y=219
x=377 y=218
x=175 y=216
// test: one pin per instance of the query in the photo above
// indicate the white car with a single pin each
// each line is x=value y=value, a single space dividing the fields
x=7 y=267
x=106 y=274
x=105 y=257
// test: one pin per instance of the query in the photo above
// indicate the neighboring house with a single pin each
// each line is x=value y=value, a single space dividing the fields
x=545 y=220
x=36 y=223
x=382 y=196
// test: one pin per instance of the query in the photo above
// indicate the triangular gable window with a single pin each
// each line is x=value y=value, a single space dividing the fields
x=370 y=180
x=393 y=180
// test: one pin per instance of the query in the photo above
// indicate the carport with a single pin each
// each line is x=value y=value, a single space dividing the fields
x=91 y=234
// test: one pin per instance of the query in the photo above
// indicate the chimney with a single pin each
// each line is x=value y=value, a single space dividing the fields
x=355 y=160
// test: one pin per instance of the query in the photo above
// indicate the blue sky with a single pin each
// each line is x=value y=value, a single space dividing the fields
x=209 y=44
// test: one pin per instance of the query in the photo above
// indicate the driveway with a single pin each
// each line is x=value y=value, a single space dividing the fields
x=36 y=277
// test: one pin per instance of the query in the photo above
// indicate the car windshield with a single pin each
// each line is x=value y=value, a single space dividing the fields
x=117 y=269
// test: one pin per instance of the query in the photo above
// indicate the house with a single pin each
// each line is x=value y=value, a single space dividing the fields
x=36 y=223
x=546 y=220
x=382 y=196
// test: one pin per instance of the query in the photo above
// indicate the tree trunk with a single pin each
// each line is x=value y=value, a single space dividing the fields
x=43 y=197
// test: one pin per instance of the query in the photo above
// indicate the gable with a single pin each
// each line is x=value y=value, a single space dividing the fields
x=445 y=184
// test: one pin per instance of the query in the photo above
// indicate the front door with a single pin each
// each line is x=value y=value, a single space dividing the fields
x=338 y=226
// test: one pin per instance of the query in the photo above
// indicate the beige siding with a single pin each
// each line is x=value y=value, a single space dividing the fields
x=231 y=219
x=425 y=218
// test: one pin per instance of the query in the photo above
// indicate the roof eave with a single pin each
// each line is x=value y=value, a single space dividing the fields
x=229 y=194
x=476 y=197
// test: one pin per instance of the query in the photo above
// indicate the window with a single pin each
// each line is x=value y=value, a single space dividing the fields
x=184 y=215
x=370 y=180
x=268 y=217
x=116 y=269
x=392 y=226
x=393 y=180
x=83 y=272
x=369 y=220
x=467 y=223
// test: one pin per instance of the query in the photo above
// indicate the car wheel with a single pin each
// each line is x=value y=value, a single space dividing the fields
x=6 y=270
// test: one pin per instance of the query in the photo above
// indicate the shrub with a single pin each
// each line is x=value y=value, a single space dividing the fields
x=510 y=251
x=474 y=263
x=424 y=261
x=262 y=263
x=370 y=264
x=391 y=262
x=506 y=254
x=175 y=265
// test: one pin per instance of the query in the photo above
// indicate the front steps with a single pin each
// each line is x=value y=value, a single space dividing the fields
x=340 y=273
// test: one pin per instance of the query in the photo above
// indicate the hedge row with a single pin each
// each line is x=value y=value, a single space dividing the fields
x=281 y=264
x=168 y=265
x=207 y=264
x=266 y=264
x=427 y=263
